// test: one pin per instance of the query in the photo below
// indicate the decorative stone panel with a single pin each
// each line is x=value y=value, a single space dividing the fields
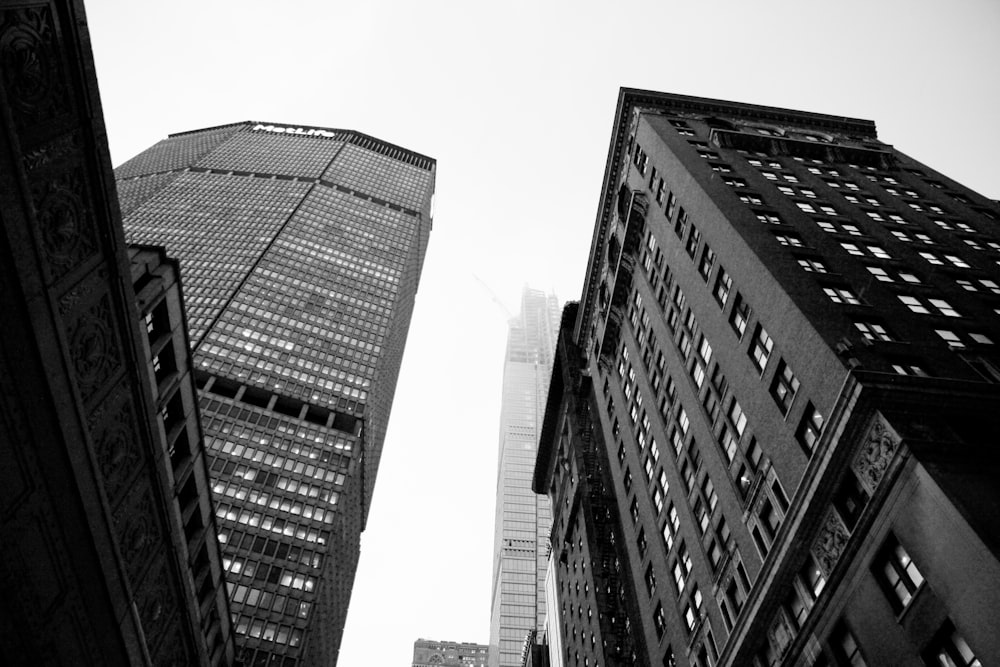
x=64 y=219
x=830 y=541
x=137 y=528
x=31 y=67
x=117 y=446
x=92 y=341
x=876 y=453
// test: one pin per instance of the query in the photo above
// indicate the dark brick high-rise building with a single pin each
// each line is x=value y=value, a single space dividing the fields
x=301 y=251
x=770 y=436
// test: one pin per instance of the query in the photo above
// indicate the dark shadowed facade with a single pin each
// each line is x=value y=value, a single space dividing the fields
x=108 y=547
x=776 y=398
x=301 y=251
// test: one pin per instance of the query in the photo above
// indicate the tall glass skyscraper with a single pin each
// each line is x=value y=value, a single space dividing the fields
x=300 y=251
x=522 y=518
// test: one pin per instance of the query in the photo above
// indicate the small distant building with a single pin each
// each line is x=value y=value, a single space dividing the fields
x=430 y=653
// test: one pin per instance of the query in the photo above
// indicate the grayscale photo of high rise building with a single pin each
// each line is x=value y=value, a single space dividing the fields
x=300 y=251
x=522 y=523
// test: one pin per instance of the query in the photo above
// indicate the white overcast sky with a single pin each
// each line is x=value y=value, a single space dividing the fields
x=515 y=100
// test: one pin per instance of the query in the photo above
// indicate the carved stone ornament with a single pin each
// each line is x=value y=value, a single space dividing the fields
x=66 y=146
x=876 y=453
x=64 y=221
x=93 y=348
x=137 y=528
x=155 y=601
x=830 y=542
x=30 y=65
x=116 y=447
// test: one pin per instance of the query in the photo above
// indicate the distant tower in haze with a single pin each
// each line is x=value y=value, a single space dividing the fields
x=522 y=518
x=301 y=250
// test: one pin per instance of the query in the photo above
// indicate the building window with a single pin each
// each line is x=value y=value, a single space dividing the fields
x=660 y=620
x=913 y=303
x=740 y=315
x=760 y=348
x=897 y=574
x=650 y=580
x=812 y=265
x=850 y=500
x=707 y=262
x=944 y=307
x=949 y=649
x=681 y=225
x=841 y=295
x=880 y=274
x=671 y=204
x=723 y=285
x=810 y=428
x=693 y=240
x=951 y=338
x=783 y=386
x=906 y=367
x=790 y=240
x=873 y=332
x=845 y=648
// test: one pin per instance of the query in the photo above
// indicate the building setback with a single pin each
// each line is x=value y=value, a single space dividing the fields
x=108 y=551
x=301 y=250
x=769 y=435
x=430 y=653
x=521 y=526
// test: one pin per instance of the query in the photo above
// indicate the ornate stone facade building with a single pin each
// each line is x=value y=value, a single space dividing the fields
x=780 y=380
x=301 y=251
x=108 y=549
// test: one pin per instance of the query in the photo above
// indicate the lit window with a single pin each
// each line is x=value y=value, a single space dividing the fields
x=880 y=274
x=949 y=649
x=951 y=338
x=812 y=265
x=944 y=307
x=845 y=648
x=957 y=261
x=852 y=249
x=784 y=386
x=723 y=285
x=981 y=338
x=789 y=240
x=810 y=428
x=768 y=218
x=931 y=258
x=737 y=417
x=878 y=251
x=740 y=316
x=872 y=331
x=760 y=348
x=913 y=303
x=897 y=574
x=693 y=240
x=841 y=295
x=805 y=206
x=707 y=262
x=908 y=368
